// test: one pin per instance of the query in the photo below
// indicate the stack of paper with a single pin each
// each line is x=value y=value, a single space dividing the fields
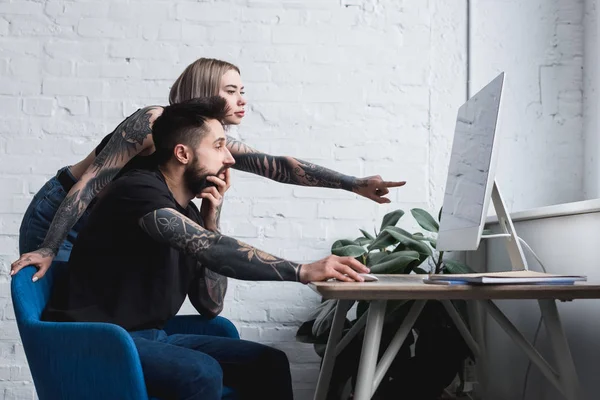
x=508 y=277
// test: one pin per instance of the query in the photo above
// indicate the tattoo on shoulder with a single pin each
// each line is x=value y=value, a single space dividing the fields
x=127 y=139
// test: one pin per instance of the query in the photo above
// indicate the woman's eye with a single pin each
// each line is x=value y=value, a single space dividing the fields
x=231 y=91
x=242 y=93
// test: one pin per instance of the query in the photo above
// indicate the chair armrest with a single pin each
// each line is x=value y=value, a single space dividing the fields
x=73 y=360
x=200 y=325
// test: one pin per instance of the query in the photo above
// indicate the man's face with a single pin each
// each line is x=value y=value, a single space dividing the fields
x=211 y=157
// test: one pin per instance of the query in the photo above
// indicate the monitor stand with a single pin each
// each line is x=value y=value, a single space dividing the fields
x=513 y=246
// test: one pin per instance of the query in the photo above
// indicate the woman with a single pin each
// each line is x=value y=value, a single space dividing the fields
x=58 y=210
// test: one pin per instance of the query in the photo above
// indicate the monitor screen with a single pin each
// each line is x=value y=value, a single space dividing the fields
x=471 y=171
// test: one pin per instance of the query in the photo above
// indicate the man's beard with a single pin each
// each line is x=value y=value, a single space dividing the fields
x=195 y=176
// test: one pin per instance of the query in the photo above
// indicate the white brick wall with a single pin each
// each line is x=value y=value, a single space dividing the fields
x=361 y=86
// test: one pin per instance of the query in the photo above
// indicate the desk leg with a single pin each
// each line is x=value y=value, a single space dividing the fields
x=477 y=318
x=329 y=358
x=370 y=350
x=560 y=346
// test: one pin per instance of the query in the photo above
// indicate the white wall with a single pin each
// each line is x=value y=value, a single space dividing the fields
x=361 y=86
x=591 y=105
x=568 y=245
x=539 y=44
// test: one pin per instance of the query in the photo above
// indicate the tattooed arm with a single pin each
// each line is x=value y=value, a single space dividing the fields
x=229 y=257
x=291 y=170
x=207 y=289
x=286 y=169
x=222 y=254
x=129 y=138
x=207 y=292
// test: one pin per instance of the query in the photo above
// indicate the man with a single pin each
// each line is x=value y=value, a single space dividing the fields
x=145 y=246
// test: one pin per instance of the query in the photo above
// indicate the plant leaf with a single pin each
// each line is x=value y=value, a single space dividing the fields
x=395 y=263
x=391 y=219
x=362 y=241
x=420 y=271
x=420 y=236
x=366 y=234
x=351 y=250
x=456 y=267
x=425 y=220
x=342 y=243
x=382 y=241
x=406 y=239
x=374 y=257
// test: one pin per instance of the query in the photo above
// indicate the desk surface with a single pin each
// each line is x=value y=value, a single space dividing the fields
x=396 y=287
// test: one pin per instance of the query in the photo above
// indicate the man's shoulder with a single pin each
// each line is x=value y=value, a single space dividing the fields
x=139 y=184
x=141 y=178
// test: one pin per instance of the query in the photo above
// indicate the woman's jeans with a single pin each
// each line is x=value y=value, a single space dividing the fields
x=39 y=215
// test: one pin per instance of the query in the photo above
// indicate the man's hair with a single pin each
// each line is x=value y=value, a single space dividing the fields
x=185 y=123
x=202 y=78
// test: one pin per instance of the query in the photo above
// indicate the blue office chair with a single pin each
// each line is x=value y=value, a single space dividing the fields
x=75 y=360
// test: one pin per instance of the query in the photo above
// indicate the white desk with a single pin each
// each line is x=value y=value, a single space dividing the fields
x=411 y=287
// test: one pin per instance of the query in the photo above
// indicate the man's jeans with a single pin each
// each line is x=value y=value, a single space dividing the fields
x=195 y=367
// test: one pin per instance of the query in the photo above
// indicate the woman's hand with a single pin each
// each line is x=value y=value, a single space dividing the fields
x=41 y=259
x=375 y=188
x=212 y=200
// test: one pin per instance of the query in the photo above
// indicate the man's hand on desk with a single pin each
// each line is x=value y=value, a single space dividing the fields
x=345 y=269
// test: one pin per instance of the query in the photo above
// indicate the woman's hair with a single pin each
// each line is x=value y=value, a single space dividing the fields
x=184 y=123
x=201 y=78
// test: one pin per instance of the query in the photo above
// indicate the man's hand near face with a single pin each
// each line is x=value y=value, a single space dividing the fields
x=212 y=200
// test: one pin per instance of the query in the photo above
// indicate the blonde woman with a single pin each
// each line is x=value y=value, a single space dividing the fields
x=58 y=210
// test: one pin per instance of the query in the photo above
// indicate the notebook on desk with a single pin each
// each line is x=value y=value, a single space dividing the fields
x=508 y=277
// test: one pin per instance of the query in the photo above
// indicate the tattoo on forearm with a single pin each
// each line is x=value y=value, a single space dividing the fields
x=237 y=147
x=218 y=217
x=126 y=139
x=275 y=168
x=222 y=254
x=207 y=291
x=96 y=184
x=66 y=216
x=294 y=171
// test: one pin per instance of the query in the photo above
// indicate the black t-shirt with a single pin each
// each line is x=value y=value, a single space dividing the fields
x=117 y=273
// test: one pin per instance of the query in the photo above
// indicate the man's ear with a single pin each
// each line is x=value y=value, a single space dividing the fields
x=183 y=154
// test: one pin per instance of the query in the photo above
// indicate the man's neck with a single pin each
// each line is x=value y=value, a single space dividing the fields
x=176 y=185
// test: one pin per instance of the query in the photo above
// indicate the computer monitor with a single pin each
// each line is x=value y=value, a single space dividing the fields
x=471 y=171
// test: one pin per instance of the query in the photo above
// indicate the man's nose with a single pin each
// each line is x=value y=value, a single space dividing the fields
x=229 y=160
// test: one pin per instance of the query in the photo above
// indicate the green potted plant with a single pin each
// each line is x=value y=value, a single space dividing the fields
x=435 y=346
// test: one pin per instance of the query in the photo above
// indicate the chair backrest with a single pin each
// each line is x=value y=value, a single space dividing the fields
x=29 y=298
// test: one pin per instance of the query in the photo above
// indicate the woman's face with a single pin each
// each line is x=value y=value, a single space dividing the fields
x=232 y=90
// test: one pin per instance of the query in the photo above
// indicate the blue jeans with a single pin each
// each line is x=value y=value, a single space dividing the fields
x=39 y=215
x=195 y=367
